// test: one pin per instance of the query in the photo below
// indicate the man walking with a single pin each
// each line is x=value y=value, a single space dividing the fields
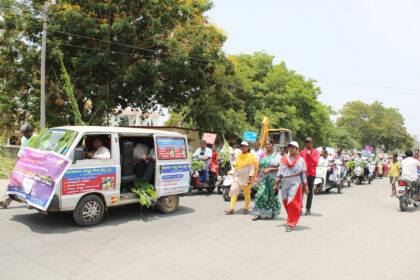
x=27 y=134
x=311 y=157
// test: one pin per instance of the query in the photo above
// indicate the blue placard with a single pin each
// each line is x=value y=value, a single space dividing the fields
x=250 y=136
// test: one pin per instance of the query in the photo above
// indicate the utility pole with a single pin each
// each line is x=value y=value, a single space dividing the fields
x=43 y=51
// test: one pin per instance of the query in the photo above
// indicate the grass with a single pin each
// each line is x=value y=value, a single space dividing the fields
x=6 y=167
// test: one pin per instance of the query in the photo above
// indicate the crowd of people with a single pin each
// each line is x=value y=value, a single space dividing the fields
x=289 y=175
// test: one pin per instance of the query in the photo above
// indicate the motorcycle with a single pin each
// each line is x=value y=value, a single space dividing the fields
x=197 y=181
x=326 y=182
x=360 y=175
x=407 y=193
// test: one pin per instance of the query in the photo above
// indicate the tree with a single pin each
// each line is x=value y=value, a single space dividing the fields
x=258 y=88
x=341 y=138
x=375 y=125
x=143 y=54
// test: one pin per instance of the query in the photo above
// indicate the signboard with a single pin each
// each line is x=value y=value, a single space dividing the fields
x=250 y=136
x=88 y=179
x=36 y=176
x=369 y=148
x=174 y=179
x=210 y=138
x=171 y=148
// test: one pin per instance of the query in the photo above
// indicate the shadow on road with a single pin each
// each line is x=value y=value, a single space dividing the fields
x=297 y=227
x=63 y=223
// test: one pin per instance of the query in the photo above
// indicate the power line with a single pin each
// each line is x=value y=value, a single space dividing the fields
x=128 y=46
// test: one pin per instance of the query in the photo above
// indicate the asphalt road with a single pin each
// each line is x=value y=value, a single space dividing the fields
x=360 y=234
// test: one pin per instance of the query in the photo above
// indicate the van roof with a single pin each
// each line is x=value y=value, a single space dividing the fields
x=121 y=130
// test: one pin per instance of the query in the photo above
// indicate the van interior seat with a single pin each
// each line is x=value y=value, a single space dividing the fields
x=128 y=173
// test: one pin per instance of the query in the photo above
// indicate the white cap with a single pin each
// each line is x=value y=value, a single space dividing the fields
x=295 y=144
x=244 y=143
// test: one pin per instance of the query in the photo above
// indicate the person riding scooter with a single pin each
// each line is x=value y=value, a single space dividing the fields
x=204 y=154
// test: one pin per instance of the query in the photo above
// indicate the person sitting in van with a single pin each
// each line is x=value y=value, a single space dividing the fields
x=145 y=162
x=100 y=151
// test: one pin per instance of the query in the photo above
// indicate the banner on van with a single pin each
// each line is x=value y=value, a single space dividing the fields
x=88 y=179
x=36 y=176
x=174 y=179
x=171 y=148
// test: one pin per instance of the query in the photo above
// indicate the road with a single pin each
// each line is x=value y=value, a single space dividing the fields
x=360 y=234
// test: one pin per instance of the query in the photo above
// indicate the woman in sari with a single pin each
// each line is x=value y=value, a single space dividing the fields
x=214 y=166
x=292 y=173
x=267 y=204
x=245 y=167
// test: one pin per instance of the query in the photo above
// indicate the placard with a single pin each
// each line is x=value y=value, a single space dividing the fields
x=250 y=136
x=171 y=148
x=210 y=138
x=36 y=176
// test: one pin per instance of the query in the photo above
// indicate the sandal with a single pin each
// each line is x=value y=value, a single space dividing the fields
x=229 y=212
x=256 y=217
x=245 y=212
x=289 y=229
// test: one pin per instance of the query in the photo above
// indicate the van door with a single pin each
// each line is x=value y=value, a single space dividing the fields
x=172 y=174
x=93 y=175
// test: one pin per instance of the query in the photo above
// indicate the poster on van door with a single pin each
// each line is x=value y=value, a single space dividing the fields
x=171 y=148
x=83 y=180
x=36 y=176
x=174 y=179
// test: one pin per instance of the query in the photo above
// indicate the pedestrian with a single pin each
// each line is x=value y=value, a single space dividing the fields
x=214 y=163
x=267 y=204
x=27 y=132
x=291 y=175
x=311 y=156
x=256 y=151
x=245 y=168
x=394 y=172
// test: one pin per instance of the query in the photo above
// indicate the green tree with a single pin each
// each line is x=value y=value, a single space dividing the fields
x=143 y=54
x=375 y=125
x=258 y=88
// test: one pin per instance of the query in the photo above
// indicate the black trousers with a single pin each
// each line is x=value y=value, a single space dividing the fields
x=145 y=170
x=310 y=180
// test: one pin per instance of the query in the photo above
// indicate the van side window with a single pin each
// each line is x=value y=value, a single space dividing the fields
x=98 y=146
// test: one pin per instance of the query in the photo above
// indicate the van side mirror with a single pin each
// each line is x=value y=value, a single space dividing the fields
x=79 y=154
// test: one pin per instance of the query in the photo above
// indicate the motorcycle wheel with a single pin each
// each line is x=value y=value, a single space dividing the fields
x=348 y=183
x=359 y=181
x=370 y=180
x=226 y=196
x=339 y=188
x=219 y=190
x=403 y=204
x=210 y=189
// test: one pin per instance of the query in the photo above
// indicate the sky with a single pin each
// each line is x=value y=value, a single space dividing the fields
x=363 y=50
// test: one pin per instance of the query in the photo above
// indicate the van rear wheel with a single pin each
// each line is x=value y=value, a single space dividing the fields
x=167 y=204
x=89 y=211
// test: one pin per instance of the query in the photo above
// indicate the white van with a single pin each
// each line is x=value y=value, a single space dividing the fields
x=90 y=186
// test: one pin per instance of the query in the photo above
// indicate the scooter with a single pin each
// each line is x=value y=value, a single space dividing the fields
x=322 y=183
x=344 y=173
x=228 y=182
x=360 y=175
x=197 y=180
x=407 y=193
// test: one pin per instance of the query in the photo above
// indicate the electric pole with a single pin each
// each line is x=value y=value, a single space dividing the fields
x=43 y=51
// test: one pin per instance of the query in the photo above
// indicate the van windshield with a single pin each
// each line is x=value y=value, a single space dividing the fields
x=56 y=140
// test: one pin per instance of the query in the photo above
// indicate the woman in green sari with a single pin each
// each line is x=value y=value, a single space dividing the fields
x=267 y=204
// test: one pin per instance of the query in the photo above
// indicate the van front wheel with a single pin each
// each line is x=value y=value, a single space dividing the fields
x=89 y=211
x=168 y=204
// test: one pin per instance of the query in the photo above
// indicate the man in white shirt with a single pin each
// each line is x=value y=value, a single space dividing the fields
x=204 y=154
x=145 y=162
x=256 y=151
x=323 y=160
x=409 y=168
x=100 y=151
